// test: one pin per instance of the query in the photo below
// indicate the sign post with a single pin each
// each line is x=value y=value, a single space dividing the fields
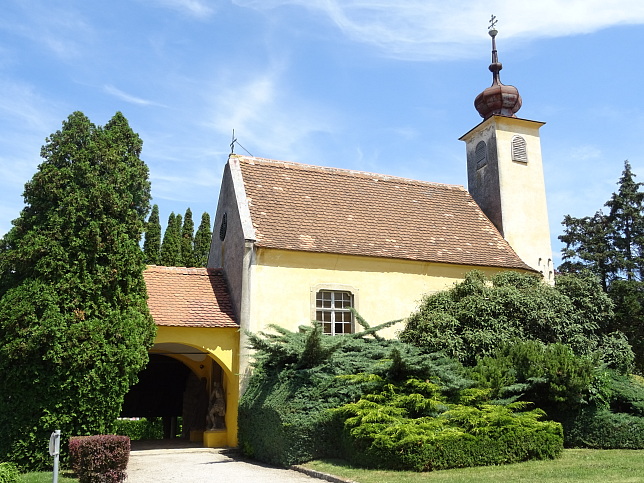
x=54 y=450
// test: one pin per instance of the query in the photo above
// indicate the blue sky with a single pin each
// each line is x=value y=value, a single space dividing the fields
x=384 y=86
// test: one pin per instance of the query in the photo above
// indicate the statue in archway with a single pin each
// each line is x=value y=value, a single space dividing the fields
x=216 y=408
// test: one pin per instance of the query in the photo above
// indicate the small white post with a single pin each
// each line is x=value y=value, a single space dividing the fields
x=54 y=450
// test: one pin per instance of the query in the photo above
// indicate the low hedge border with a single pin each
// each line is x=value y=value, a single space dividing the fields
x=9 y=473
x=100 y=459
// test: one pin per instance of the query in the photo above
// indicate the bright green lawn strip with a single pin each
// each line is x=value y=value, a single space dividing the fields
x=575 y=465
x=44 y=477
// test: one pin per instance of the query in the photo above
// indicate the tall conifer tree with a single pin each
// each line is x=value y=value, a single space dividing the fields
x=171 y=245
x=627 y=219
x=202 y=241
x=152 y=241
x=74 y=323
x=188 y=240
x=612 y=246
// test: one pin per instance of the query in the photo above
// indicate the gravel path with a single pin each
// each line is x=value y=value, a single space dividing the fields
x=194 y=464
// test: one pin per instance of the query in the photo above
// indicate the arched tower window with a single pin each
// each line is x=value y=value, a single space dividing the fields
x=519 y=151
x=481 y=155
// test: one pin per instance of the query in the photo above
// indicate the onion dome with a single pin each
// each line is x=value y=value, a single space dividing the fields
x=498 y=99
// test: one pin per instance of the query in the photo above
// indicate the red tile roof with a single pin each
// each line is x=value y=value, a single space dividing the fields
x=320 y=209
x=188 y=297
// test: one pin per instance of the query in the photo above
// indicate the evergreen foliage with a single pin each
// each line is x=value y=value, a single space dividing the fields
x=9 y=473
x=202 y=241
x=152 y=240
x=412 y=426
x=628 y=296
x=612 y=246
x=549 y=375
x=284 y=414
x=603 y=429
x=479 y=315
x=187 y=241
x=380 y=403
x=171 y=244
x=74 y=323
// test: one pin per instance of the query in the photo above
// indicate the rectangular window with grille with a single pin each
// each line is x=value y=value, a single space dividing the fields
x=333 y=311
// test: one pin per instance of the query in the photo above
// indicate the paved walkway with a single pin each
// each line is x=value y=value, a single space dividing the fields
x=187 y=463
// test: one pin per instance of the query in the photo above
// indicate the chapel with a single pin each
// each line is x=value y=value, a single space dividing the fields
x=295 y=243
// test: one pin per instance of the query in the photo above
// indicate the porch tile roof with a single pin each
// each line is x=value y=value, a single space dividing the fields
x=188 y=297
x=321 y=209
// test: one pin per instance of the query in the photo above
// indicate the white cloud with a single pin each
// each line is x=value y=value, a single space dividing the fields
x=431 y=29
x=110 y=89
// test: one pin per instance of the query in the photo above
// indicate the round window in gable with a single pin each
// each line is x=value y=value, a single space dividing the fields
x=223 y=227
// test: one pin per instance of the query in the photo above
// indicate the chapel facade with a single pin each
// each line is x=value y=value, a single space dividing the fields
x=295 y=244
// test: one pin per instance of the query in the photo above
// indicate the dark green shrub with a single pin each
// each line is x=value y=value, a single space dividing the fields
x=284 y=415
x=100 y=459
x=74 y=324
x=9 y=473
x=551 y=376
x=602 y=429
x=627 y=394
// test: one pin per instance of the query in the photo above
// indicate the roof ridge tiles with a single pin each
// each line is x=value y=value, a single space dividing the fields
x=344 y=171
x=202 y=271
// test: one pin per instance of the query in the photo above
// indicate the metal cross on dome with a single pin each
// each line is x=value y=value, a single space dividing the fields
x=493 y=21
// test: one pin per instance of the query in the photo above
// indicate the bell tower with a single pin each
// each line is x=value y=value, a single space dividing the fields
x=505 y=170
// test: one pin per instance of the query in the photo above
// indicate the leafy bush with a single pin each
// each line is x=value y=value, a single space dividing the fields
x=411 y=426
x=478 y=315
x=9 y=473
x=602 y=429
x=100 y=459
x=139 y=429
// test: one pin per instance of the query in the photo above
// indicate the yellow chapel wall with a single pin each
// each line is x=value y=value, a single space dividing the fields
x=283 y=285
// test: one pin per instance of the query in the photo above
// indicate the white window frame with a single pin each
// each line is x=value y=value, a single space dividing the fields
x=334 y=289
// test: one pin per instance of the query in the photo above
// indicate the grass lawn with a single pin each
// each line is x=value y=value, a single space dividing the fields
x=575 y=465
x=45 y=477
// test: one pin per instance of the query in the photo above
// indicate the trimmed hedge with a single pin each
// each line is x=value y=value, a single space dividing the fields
x=100 y=459
x=602 y=429
x=9 y=473
x=137 y=429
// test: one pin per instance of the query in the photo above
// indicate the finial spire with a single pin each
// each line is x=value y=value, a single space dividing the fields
x=495 y=66
x=498 y=99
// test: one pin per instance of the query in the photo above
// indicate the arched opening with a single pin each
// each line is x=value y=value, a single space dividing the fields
x=181 y=387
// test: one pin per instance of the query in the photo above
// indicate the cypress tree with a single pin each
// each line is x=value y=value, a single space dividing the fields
x=152 y=241
x=74 y=323
x=202 y=241
x=188 y=240
x=171 y=245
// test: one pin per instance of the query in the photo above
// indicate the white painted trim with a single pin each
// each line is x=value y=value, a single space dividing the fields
x=242 y=200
